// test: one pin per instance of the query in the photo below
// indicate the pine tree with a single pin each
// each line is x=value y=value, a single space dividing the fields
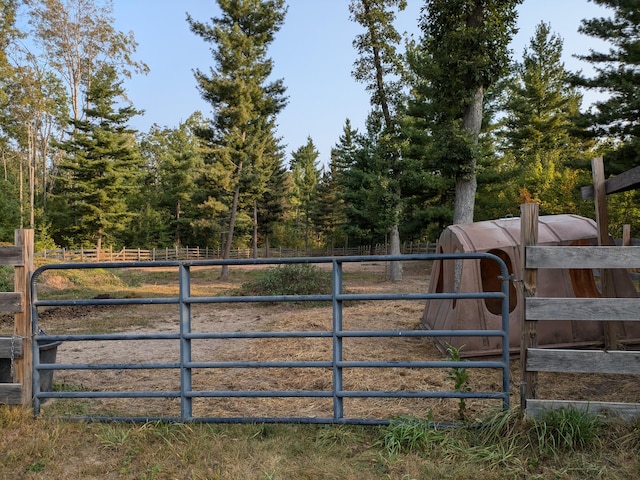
x=465 y=51
x=545 y=158
x=381 y=67
x=98 y=175
x=617 y=117
x=328 y=215
x=244 y=101
x=304 y=169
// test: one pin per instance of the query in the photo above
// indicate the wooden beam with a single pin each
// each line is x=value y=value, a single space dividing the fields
x=10 y=255
x=583 y=361
x=11 y=302
x=22 y=320
x=10 y=393
x=629 y=180
x=625 y=411
x=612 y=331
x=529 y=280
x=6 y=347
x=604 y=309
x=583 y=257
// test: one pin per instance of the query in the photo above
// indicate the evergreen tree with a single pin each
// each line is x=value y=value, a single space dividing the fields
x=365 y=185
x=100 y=170
x=271 y=205
x=174 y=162
x=328 y=214
x=465 y=50
x=304 y=168
x=617 y=117
x=380 y=66
x=244 y=101
x=544 y=159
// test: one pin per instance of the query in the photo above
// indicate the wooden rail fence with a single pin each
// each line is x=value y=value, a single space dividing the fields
x=538 y=309
x=203 y=253
x=15 y=351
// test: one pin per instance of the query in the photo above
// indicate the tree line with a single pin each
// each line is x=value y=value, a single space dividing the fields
x=460 y=130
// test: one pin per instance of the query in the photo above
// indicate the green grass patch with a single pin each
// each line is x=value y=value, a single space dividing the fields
x=408 y=448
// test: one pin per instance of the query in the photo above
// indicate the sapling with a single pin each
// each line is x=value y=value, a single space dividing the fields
x=460 y=377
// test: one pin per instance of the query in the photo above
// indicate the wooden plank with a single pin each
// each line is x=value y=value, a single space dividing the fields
x=628 y=180
x=583 y=257
x=5 y=347
x=10 y=302
x=626 y=411
x=583 y=361
x=606 y=309
x=10 y=255
x=22 y=324
x=529 y=276
x=10 y=393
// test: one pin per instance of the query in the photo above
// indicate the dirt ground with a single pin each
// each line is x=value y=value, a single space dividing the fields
x=232 y=317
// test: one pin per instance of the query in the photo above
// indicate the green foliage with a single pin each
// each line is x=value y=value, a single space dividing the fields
x=617 y=73
x=460 y=378
x=6 y=278
x=290 y=279
x=242 y=149
x=408 y=435
x=100 y=171
x=558 y=431
x=544 y=154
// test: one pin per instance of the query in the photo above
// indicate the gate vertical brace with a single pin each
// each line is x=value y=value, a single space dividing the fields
x=186 y=402
x=338 y=406
x=506 y=280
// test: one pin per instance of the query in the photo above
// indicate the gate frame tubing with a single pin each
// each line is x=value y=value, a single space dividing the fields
x=337 y=364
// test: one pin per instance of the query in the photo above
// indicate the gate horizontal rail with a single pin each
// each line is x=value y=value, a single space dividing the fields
x=337 y=334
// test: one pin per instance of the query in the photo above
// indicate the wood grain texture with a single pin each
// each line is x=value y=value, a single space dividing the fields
x=583 y=361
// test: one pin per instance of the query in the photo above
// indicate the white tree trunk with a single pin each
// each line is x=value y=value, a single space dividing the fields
x=396 y=267
x=466 y=185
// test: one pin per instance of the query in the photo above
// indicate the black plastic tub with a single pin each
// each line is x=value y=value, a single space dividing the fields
x=48 y=350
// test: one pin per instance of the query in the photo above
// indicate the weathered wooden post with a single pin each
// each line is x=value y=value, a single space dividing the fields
x=612 y=330
x=529 y=276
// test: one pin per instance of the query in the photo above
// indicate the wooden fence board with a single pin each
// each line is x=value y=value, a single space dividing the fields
x=606 y=309
x=583 y=361
x=11 y=255
x=10 y=393
x=583 y=257
x=6 y=347
x=626 y=411
x=10 y=302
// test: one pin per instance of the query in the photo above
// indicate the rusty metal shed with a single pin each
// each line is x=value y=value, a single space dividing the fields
x=502 y=238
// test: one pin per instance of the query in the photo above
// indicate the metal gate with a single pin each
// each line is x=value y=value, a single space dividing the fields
x=336 y=335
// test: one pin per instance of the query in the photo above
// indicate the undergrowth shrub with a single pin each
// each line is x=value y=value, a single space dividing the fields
x=6 y=278
x=407 y=435
x=289 y=279
x=563 y=430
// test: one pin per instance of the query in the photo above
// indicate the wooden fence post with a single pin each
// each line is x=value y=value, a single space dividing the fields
x=529 y=277
x=22 y=323
x=612 y=330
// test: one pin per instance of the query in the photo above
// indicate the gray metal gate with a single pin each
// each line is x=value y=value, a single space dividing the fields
x=185 y=300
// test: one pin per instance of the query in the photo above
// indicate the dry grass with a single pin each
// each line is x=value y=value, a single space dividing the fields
x=48 y=448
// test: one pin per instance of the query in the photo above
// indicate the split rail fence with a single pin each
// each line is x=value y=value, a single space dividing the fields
x=86 y=255
x=610 y=310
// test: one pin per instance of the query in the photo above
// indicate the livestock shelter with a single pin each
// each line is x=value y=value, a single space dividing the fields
x=502 y=238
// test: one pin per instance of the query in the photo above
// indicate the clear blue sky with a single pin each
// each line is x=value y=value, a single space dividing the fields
x=312 y=52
